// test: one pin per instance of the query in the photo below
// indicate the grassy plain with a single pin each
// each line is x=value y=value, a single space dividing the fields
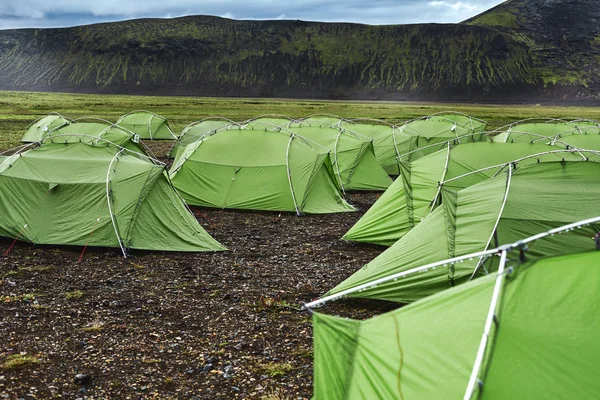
x=19 y=109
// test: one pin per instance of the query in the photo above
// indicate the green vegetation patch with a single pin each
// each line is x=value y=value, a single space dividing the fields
x=18 y=361
x=275 y=369
x=503 y=18
x=74 y=295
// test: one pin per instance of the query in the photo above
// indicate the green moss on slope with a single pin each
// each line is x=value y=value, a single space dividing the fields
x=503 y=18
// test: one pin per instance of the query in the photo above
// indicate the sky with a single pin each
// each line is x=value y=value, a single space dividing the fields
x=60 y=13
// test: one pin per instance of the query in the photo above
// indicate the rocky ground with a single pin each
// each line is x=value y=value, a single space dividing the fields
x=176 y=325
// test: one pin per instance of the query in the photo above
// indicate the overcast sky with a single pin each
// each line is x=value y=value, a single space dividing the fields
x=58 y=13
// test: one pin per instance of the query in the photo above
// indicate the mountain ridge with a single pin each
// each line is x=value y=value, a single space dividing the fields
x=490 y=57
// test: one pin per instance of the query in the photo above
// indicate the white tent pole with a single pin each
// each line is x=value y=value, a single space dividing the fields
x=397 y=276
x=150 y=126
x=335 y=147
x=491 y=316
x=441 y=180
x=289 y=173
x=108 y=198
x=394 y=127
x=445 y=263
x=508 y=181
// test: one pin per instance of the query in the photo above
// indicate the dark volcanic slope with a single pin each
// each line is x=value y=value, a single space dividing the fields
x=521 y=50
x=563 y=37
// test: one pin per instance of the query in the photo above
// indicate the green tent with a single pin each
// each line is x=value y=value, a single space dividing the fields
x=530 y=131
x=433 y=133
x=579 y=136
x=352 y=156
x=147 y=125
x=518 y=202
x=272 y=119
x=410 y=198
x=588 y=141
x=40 y=127
x=586 y=125
x=95 y=194
x=96 y=131
x=544 y=343
x=258 y=169
x=470 y=124
x=196 y=130
x=324 y=120
x=388 y=141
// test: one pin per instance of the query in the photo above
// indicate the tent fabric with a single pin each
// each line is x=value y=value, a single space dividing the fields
x=388 y=141
x=501 y=209
x=427 y=350
x=352 y=156
x=39 y=128
x=258 y=169
x=194 y=131
x=409 y=199
x=81 y=194
x=147 y=125
x=439 y=130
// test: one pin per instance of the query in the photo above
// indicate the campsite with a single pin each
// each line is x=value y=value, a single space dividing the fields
x=80 y=320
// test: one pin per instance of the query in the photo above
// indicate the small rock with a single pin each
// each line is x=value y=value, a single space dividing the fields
x=83 y=391
x=226 y=375
x=228 y=369
x=82 y=379
x=212 y=360
x=189 y=371
x=207 y=368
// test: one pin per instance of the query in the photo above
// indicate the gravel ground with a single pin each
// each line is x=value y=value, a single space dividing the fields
x=176 y=325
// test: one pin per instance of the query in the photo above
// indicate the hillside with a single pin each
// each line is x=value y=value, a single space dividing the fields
x=563 y=39
x=522 y=50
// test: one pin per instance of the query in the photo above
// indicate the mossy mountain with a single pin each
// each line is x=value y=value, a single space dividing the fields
x=521 y=50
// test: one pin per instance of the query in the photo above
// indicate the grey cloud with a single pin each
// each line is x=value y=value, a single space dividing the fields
x=43 y=13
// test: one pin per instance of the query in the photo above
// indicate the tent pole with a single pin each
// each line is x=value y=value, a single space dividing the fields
x=491 y=317
x=441 y=180
x=508 y=181
x=335 y=147
x=394 y=127
x=445 y=263
x=150 y=127
x=108 y=195
x=399 y=275
x=289 y=173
